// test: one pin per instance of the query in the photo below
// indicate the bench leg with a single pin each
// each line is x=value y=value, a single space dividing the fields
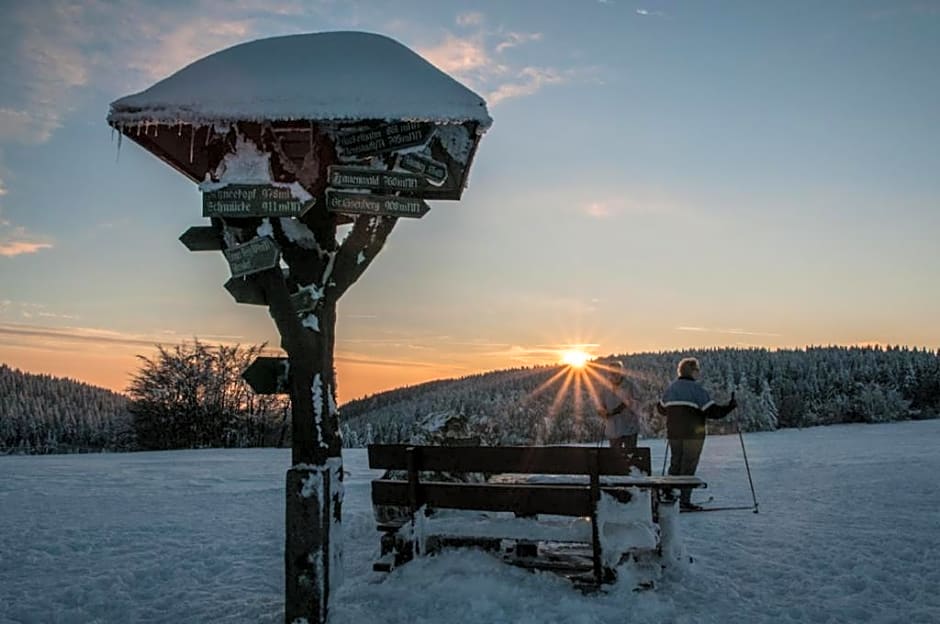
x=670 y=538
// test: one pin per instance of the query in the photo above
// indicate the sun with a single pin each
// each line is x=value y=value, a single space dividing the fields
x=575 y=358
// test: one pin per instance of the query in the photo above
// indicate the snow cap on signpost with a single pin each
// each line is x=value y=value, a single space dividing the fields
x=370 y=96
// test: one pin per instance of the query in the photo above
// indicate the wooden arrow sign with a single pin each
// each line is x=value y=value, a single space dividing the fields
x=259 y=254
x=385 y=205
x=202 y=238
x=428 y=167
x=387 y=138
x=246 y=291
x=253 y=200
x=268 y=375
x=377 y=180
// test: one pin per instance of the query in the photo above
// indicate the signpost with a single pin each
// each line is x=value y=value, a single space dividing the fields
x=202 y=238
x=377 y=180
x=259 y=254
x=268 y=375
x=428 y=167
x=384 y=205
x=387 y=138
x=253 y=200
x=210 y=135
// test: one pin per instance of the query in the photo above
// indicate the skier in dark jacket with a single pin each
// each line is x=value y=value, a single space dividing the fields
x=686 y=405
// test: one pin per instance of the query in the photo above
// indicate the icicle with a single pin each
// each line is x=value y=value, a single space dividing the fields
x=156 y=130
x=192 y=141
x=180 y=130
x=138 y=128
x=112 y=135
x=209 y=131
x=117 y=158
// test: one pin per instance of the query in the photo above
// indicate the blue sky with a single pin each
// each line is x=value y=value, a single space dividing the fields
x=658 y=175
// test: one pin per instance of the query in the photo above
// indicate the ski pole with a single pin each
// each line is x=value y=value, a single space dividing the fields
x=747 y=466
x=665 y=456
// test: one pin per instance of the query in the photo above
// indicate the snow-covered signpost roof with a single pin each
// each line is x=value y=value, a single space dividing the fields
x=289 y=137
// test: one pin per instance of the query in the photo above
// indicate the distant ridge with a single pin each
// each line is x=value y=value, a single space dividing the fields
x=782 y=388
x=46 y=414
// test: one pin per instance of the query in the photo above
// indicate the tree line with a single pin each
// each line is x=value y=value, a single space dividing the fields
x=774 y=389
x=188 y=396
x=192 y=396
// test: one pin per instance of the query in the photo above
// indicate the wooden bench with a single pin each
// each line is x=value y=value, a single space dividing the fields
x=589 y=473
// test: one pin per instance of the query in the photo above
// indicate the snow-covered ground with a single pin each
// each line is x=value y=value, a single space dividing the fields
x=849 y=531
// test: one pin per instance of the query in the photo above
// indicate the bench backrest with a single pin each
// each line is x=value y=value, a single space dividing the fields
x=568 y=460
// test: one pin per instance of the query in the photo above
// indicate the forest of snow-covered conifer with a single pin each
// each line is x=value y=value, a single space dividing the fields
x=541 y=405
x=774 y=389
x=45 y=414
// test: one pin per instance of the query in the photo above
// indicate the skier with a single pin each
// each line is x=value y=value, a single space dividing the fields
x=686 y=405
x=617 y=407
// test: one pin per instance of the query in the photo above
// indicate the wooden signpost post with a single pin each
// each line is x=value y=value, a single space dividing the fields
x=340 y=163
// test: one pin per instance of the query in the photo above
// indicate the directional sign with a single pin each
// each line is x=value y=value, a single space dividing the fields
x=385 y=205
x=375 y=180
x=253 y=200
x=387 y=138
x=202 y=238
x=428 y=167
x=268 y=375
x=259 y=254
x=246 y=291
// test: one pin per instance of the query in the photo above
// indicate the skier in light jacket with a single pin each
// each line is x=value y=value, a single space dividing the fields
x=686 y=406
x=618 y=399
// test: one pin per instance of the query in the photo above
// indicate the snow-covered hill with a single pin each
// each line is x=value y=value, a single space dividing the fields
x=785 y=388
x=848 y=532
x=45 y=414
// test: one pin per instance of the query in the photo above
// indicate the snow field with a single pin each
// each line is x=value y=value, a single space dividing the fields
x=848 y=532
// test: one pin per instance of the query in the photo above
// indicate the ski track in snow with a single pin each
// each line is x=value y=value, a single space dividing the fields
x=848 y=532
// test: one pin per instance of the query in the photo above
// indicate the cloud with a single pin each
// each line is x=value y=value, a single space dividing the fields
x=479 y=59
x=85 y=335
x=457 y=55
x=171 y=47
x=48 y=66
x=10 y=247
x=598 y=210
x=471 y=18
x=528 y=81
x=514 y=39
x=638 y=203
x=733 y=332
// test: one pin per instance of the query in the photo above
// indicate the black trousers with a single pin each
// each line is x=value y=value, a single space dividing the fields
x=627 y=442
x=685 y=455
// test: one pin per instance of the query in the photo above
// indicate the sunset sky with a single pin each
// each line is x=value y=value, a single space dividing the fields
x=659 y=175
